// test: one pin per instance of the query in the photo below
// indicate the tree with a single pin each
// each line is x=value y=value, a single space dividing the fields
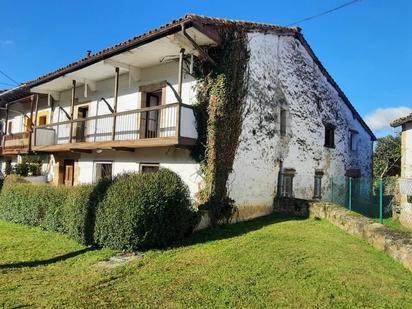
x=387 y=156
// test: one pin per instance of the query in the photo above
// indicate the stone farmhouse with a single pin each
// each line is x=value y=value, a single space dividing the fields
x=242 y=111
x=405 y=123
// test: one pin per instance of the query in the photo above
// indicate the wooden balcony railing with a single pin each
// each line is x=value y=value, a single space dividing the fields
x=152 y=123
x=16 y=143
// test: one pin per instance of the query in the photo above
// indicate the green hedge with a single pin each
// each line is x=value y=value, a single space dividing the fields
x=80 y=208
x=134 y=211
x=142 y=211
x=25 y=203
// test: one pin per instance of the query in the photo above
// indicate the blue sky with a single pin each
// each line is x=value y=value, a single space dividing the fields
x=364 y=46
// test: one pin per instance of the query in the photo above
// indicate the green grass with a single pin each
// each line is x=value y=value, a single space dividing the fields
x=395 y=225
x=270 y=262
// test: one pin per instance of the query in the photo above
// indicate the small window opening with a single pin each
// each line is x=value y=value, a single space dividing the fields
x=103 y=170
x=352 y=140
x=287 y=183
x=329 y=136
x=283 y=119
x=149 y=167
x=317 y=192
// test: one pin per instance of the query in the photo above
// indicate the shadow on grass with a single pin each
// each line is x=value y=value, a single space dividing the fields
x=52 y=260
x=227 y=231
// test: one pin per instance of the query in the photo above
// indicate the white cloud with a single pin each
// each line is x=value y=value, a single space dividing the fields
x=381 y=118
x=6 y=42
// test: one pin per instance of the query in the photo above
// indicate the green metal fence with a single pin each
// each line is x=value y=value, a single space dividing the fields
x=370 y=198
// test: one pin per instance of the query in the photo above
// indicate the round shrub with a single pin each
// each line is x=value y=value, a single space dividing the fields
x=145 y=210
x=79 y=210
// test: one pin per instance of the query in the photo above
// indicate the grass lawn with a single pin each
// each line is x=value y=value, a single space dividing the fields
x=394 y=224
x=272 y=261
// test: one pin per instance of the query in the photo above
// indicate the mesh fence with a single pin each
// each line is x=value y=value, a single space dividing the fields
x=372 y=198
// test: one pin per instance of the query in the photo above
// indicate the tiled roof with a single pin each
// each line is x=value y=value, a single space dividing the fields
x=151 y=35
x=401 y=121
x=174 y=26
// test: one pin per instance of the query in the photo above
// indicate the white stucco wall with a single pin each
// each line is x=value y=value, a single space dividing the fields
x=177 y=160
x=283 y=75
x=406 y=172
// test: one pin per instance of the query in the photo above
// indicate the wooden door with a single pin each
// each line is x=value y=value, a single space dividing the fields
x=68 y=172
x=150 y=120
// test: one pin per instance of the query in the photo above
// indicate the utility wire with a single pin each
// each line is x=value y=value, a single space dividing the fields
x=323 y=13
x=8 y=77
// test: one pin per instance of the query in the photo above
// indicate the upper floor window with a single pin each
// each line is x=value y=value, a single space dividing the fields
x=352 y=139
x=283 y=119
x=329 y=136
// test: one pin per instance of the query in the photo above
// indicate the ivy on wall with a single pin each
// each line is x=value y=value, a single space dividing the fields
x=221 y=96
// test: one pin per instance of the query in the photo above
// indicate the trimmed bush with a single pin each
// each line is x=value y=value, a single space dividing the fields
x=25 y=203
x=145 y=210
x=80 y=208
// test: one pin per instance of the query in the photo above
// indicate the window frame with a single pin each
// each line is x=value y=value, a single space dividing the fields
x=287 y=183
x=95 y=163
x=352 y=136
x=317 y=185
x=142 y=165
x=283 y=121
x=331 y=142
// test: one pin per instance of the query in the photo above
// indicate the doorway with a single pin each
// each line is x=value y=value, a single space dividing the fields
x=150 y=119
x=68 y=168
x=82 y=113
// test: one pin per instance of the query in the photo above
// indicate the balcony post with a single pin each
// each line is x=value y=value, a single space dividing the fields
x=36 y=112
x=179 y=90
x=116 y=94
x=72 y=111
x=6 y=127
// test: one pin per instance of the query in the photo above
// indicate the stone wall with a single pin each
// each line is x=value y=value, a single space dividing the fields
x=285 y=80
x=381 y=237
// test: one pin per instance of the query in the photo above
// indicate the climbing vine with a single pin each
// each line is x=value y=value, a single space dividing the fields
x=221 y=98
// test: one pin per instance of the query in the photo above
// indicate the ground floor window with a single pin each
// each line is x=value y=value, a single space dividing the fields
x=317 y=191
x=103 y=170
x=149 y=167
x=287 y=182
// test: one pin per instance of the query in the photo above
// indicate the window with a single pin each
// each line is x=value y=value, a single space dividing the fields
x=287 y=182
x=149 y=167
x=42 y=120
x=317 y=191
x=352 y=140
x=103 y=170
x=283 y=114
x=329 y=136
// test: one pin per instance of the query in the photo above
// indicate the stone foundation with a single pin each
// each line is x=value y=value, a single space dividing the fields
x=382 y=238
x=405 y=217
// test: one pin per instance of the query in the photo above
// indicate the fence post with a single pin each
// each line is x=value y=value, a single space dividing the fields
x=331 y=187
x=350 y=194
x=380 y=200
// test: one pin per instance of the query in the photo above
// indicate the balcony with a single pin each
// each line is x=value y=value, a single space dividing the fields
x=158 y=126
x=17 y=143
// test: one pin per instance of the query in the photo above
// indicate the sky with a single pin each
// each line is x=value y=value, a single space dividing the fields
x=364 y=46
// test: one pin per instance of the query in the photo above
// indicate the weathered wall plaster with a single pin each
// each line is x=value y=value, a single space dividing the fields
x=405 y=217
x=284 y=76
